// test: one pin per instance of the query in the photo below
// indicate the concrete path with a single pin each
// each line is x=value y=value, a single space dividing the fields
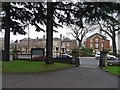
x=89 y=62
x=76 y=77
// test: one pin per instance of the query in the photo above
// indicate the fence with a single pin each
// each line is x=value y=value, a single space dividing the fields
x=24 y=56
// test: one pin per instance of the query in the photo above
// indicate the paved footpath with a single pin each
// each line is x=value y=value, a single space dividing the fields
x=76 y=77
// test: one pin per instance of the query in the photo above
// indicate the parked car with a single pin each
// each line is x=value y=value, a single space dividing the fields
x=109 y=57
x=97 y=55
x=64 y=56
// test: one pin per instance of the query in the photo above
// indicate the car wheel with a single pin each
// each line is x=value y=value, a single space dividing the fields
x=98 y=58
x=111 y=58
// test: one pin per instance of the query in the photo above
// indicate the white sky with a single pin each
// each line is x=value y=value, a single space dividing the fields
x=33 y=34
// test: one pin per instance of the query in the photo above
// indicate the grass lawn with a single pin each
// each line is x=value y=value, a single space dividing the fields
x=31 y=67
x=115 y=70
x=0 y=67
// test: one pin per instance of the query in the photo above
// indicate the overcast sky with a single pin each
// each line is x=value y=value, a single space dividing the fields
x=34 y=34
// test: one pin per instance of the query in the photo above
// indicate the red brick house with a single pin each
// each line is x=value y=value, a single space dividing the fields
x=98 y=42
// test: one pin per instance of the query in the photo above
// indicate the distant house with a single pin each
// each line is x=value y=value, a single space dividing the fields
x=56 y=46
x=97 y=42
x=25 y=45
x=67 y=45
x=60 y=45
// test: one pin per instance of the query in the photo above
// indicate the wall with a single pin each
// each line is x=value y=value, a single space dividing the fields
x=69 y=45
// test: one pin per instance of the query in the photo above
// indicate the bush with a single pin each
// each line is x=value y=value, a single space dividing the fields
x=118 y=55
x=86 y=51
x=75 y=52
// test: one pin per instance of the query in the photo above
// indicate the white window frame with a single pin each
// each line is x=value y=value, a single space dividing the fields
x=102 y=44
x=91 y=45
x=91 y=40
x=96 y=40
x=96 y=45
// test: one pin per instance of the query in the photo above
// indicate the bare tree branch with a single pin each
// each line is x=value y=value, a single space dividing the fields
x=107 y=32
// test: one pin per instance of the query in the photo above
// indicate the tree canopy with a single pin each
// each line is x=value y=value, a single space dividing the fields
x=20 y=14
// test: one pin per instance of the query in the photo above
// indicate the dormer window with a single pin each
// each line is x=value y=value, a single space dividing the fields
x=96 y=40
x=91 y=40
x=96 y=46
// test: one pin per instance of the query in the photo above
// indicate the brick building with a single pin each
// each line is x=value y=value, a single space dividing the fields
x=98 y=42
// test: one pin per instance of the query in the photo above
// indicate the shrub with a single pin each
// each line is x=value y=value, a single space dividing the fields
x=118 y=55
x=75 y=52
x=86 y=51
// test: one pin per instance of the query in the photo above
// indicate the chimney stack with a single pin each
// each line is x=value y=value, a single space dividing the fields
x=37 y=38
x=43 y=36
x=60 y=36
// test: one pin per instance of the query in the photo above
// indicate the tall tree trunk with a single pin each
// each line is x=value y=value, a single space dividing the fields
x=80 y=45
x=7 y=32
x=79 y=42
x=114 y=44
x=49 y=39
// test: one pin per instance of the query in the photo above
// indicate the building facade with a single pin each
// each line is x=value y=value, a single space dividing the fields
x=60 y=45
x=67 y=45
x=25 y=45
x=97 y=42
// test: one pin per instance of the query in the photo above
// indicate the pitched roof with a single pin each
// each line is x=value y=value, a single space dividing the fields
x=66 y=40
x=97 y=34
x=56 y=39
x=25 y=39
